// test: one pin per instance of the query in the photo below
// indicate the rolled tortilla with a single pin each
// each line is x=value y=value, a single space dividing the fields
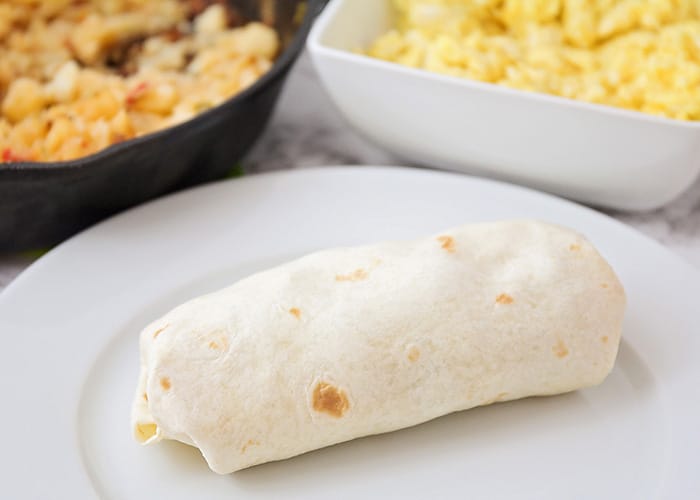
x=349 y=342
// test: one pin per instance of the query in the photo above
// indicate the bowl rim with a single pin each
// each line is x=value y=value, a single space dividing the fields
x=331 y=12
x=287 y=57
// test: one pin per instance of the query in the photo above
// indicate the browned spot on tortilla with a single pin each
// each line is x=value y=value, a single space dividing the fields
x=574 y=248
x=159 y=331
x=251 y=442
x=145 y=397
x=603 y=285
x=356 y=275
x=296 y=312
x=448 y=243
x=330 y=400
x=218 y=341
x=413 y=354
x=165 y=383
x=604 y=339
x=560 y=349
x=504 y=298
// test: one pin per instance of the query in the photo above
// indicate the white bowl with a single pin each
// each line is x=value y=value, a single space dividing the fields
x=596 y=154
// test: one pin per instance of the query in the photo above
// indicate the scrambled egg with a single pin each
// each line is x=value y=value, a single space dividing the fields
x=642 y=55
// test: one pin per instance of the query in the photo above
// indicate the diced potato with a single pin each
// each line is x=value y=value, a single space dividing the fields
x=212 y=20
x=61 y=130
x=103 y=105
x=159 y=99
x=254 y=39
x=5 y=21
x=64 y=85
x=122 y=127
x=24 y=97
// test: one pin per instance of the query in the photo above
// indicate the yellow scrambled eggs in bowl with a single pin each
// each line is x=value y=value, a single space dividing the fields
x=642 y=55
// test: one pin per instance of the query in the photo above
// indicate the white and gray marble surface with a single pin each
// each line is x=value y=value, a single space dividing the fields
x=308 y=131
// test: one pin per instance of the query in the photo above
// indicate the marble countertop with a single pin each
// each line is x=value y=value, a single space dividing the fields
x=307 y=131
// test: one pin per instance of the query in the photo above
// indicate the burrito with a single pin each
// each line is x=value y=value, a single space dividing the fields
x=349 y=342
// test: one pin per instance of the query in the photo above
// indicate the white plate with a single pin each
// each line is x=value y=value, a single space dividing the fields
x=68 y=361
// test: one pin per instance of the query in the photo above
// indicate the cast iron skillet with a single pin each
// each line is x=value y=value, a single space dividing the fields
x=44 y=203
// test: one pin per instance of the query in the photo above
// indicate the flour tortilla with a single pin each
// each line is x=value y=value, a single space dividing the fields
x=349 y=342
